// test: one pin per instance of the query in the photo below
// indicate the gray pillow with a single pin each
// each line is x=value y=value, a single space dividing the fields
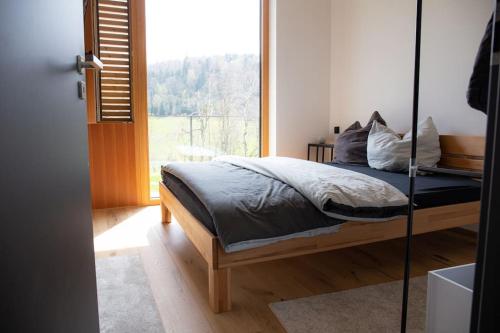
x=350 y=146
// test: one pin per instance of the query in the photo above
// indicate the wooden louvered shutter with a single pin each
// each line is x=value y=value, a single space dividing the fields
x=113 y=48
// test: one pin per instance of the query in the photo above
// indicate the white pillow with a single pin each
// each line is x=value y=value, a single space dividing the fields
x=387 y=151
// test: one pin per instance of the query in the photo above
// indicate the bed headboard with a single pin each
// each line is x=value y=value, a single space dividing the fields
x=462 y=152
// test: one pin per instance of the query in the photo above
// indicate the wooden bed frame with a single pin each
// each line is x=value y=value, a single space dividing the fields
x=457 y=152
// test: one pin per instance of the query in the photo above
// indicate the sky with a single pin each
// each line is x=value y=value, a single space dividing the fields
x=176 y=29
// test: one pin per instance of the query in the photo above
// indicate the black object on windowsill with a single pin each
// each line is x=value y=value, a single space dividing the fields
x=323 y=146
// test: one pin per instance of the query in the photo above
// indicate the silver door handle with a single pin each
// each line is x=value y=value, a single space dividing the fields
x=89 y=61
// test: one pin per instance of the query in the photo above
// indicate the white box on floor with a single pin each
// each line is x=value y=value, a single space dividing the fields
x=449 y=299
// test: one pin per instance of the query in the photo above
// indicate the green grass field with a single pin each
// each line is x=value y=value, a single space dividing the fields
x=182 y=139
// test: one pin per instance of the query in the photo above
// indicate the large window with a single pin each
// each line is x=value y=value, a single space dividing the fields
x=204 y=82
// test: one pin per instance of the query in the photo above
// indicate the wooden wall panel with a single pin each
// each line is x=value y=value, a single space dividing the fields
x=119 y=151
x=112 y=165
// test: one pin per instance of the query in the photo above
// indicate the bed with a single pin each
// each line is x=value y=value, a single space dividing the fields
x=442 y=202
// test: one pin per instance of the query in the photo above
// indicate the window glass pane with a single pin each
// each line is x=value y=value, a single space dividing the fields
x=203 y=80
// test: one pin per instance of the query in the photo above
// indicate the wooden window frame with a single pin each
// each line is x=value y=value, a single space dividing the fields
x=264 y=92
x=139 y=96
x=137 y=17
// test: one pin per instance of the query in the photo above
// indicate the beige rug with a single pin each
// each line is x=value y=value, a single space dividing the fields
x=126 y=303
x=374 y=308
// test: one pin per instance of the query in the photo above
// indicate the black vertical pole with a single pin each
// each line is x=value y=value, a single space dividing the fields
x=486 y=301
x=413 y=167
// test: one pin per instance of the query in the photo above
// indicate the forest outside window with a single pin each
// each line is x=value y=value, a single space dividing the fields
x=204 y=80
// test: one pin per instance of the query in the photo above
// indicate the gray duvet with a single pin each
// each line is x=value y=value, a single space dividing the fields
x=249 y=209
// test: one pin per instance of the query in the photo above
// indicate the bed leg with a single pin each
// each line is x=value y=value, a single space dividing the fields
x=166 y=216
x=219 y=289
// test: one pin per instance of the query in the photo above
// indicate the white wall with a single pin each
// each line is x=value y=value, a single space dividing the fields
x=299 y=74
x=372 y=52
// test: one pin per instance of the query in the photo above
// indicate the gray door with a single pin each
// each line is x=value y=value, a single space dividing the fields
x=47 y=272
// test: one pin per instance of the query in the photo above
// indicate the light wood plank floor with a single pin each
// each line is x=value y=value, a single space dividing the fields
x=178 y=275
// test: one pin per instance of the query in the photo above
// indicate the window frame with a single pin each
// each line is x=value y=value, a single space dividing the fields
x=264 y=92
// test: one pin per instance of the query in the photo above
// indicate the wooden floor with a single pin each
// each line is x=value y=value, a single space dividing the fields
x=178 y=275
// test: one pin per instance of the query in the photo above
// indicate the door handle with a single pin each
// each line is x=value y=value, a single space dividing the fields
x=90 y=61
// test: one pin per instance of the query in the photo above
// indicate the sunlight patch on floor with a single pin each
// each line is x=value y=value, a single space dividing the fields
x=115 y=230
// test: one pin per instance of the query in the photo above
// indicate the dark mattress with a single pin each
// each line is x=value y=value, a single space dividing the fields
x=431 y=190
